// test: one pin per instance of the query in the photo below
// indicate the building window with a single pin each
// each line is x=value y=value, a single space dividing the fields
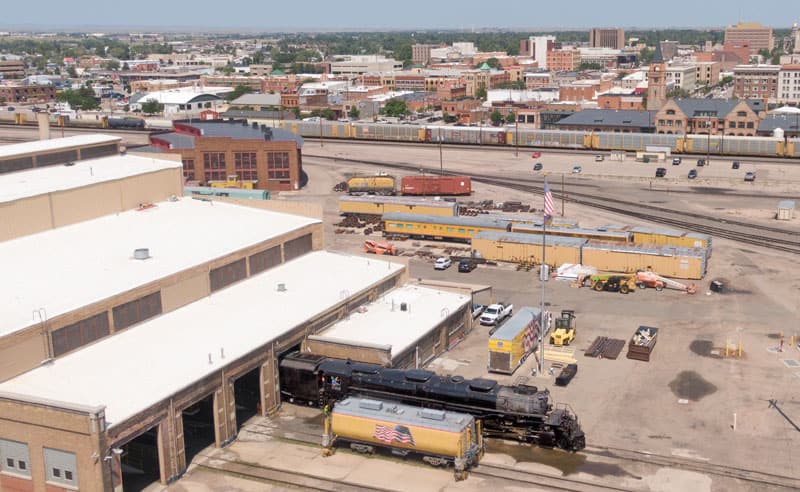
x=278 y=165
x=731 y=124
x=15 y=458
x=60 y=466
x=749 y=124
x=188 y=169
x=214 y=166
x=246 y=165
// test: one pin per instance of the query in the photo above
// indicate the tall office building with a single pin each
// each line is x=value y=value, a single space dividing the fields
x=753 y=33
x=537 y=47
x=607 y=38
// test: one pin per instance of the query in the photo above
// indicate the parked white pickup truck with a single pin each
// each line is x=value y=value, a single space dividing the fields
x=496 y=313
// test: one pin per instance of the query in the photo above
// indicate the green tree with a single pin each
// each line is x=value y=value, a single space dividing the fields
x=496 y=117
x=395 y=107
x=494 y=63
x=82 y=98
x=646 y=56
x=112 y=65
x=480 y=93
x=71 y=72
x=449 y=118
x=678 y=92
x=152 y=106
x=590 y=66
x=238 y=92
x=354 y=113
x=511 y=117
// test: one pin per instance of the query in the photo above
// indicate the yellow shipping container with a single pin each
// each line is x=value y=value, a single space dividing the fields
x=510 y=345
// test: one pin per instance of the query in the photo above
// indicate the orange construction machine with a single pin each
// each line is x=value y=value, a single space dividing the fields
x=379 y=248
x=655 y=281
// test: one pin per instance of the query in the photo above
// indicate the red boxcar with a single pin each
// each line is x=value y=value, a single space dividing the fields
x=436 y=185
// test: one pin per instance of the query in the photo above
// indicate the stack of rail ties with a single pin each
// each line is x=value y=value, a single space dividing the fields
x=605 y=348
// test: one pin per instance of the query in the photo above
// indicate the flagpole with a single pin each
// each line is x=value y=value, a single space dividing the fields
x=541 y=310
x=543 y=274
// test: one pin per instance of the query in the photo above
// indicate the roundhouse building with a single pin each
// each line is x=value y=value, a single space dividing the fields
x=138 y=334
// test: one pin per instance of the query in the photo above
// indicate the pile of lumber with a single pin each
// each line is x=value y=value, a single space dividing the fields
x=605 y=348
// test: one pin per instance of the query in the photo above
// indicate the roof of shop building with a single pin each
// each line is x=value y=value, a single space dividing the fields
x=238 y=130
x=158 y=358
x=574 y=231
x=257 y=100
x=383 y=322
x=48 y=179
x=55 y=144
x=610 y=117
x=73 y=266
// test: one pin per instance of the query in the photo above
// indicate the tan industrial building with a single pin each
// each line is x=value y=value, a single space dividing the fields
x=755 y=35
x=140 y=329
x=607 y=38
x=405 y=328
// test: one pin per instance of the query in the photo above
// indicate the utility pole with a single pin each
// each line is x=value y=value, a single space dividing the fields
x=516 y=136
x=441 y=160
x=320 y=132
x=708 y=142
x=562 y=194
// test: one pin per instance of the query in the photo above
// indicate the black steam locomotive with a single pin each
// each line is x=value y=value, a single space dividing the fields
x=520 y=412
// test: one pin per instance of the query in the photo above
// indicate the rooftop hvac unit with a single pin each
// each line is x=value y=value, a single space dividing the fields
x=281 y=287
x=403 y=306
x=141 y=253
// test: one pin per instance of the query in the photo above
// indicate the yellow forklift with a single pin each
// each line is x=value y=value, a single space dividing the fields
x=613 y=283
x=564 y=332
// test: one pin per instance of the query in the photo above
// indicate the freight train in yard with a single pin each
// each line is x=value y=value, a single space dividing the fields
x=519 y=412
x=554 y=139
x=385 y=184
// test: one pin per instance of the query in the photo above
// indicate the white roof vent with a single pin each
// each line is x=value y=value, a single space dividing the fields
x=141 y=253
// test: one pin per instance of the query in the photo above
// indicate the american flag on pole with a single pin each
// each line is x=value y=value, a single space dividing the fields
x=548 y=202
x=399 y=433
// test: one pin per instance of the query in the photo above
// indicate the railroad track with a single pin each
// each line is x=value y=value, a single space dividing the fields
x=762 y=479
x=551 y=482
x=774 y=238
x=622 y=456
x=294 y=479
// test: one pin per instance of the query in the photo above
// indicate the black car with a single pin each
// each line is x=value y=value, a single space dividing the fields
x=692 y=174
x=701 y=162
x=466 y=265
x=735 y=165
x=566 y=374
x=661 y=172
x=538 y=166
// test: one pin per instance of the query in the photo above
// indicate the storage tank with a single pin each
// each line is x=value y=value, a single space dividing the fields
x=371 y=185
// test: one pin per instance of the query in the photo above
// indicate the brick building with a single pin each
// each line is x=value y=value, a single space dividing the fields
x=270 y=158
x=628 y=102
x=565 y=60
x=421 y=53
x=35 y=93
x=607 y=38
x=714 y=116
x=756 y=82
x=758 y=37
x=12 y=69
x=789 y=84
x=604 y=120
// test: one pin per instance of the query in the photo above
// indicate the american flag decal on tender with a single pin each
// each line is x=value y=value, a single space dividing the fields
x=399 y=433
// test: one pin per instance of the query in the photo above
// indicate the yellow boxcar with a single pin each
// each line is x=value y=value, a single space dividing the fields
x=439 y=437
x=670 y=261
x=514 y=341
x=615 y=236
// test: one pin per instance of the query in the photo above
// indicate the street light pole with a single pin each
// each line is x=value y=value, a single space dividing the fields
x=516 y=136
x=441 y=160
x=708 y=141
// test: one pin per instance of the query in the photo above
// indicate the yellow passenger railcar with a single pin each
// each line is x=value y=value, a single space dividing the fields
x=439 y=437
x=379 y=205
x=462 y=229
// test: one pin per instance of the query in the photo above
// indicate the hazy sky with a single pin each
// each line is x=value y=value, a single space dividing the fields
x=405 y=14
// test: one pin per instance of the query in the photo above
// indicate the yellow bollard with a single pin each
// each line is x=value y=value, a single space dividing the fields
x=727 y=344
x=740 y=347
